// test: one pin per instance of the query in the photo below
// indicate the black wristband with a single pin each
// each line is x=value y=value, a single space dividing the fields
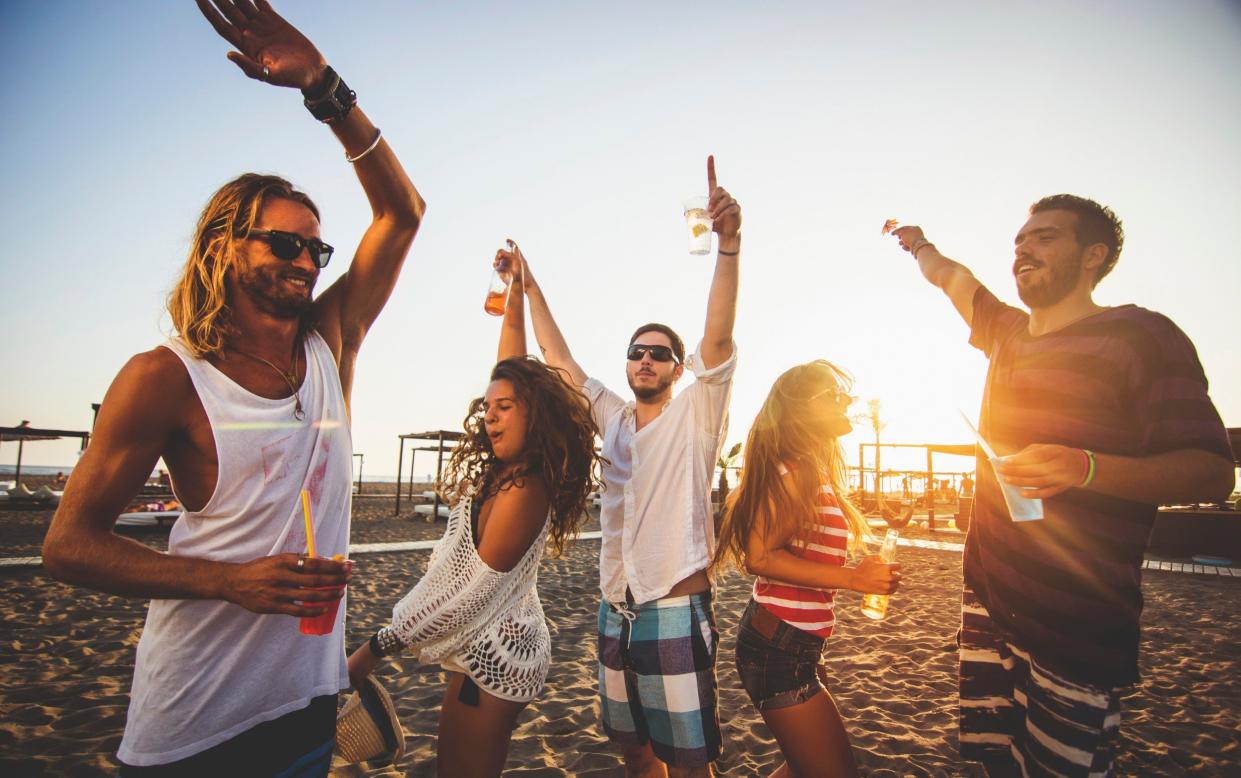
x=333 y=100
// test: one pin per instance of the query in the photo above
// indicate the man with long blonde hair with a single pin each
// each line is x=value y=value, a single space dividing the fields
x=249 y=408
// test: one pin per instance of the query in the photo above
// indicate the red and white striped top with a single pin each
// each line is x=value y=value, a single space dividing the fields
x=826 y=541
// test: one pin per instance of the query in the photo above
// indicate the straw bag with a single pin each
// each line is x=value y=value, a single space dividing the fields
x=368 y=728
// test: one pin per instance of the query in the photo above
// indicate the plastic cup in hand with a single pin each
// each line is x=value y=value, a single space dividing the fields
x=699 y=224
x=324 y=622
x=1020 y=507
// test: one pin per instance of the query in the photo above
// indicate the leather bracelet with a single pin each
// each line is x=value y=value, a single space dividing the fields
x=332 y=102
x=728 y=253
x=918 y=245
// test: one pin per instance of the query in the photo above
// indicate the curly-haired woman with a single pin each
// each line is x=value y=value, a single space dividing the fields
x=520 y=480
x=790 y=524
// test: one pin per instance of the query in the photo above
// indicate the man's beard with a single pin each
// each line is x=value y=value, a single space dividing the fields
x=1060 y=282
x=646 y=394
x=266 y=287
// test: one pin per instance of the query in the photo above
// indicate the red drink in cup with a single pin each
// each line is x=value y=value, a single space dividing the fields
x=324 y=622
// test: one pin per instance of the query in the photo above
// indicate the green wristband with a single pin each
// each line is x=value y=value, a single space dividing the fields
x=1092 y=467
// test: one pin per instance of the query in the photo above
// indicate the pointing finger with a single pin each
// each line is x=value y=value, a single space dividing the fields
x=710 y=174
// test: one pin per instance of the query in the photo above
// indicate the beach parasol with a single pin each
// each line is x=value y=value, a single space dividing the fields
x=24 y=432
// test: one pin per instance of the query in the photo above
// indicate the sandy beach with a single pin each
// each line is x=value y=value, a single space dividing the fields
x=69 y=654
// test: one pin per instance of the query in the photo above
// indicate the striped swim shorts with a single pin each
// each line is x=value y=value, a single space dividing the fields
x=657 y=677
x=1014 y=708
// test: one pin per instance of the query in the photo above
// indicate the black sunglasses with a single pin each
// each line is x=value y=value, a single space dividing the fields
x=658 y=353
x=289 y=245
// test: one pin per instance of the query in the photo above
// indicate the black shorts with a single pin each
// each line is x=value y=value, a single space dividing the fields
x=778 y=664
x=299 y=743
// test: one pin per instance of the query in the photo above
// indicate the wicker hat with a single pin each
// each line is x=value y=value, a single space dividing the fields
x=368 y=728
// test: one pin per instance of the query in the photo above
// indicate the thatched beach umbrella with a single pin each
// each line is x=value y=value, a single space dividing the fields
x=24 y=432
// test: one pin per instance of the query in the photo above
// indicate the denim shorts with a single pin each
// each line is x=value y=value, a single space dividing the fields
x=778 y=664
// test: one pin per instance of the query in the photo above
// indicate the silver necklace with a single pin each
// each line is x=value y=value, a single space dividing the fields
x=289 y=377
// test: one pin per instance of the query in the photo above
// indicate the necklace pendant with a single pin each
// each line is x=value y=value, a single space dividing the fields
x=298 y=413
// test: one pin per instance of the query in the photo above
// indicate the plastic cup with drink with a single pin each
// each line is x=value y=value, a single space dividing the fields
x=323 y=623
x=1020 y=507
x=699 y=224
x=875 y=606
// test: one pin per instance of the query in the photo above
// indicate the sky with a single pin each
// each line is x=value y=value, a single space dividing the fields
x=578 y=129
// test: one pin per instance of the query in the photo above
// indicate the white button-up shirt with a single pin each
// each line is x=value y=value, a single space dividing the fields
x=656 y=508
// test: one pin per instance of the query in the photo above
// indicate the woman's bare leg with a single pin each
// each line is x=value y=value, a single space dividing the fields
x=813 y=739
x=473 y=739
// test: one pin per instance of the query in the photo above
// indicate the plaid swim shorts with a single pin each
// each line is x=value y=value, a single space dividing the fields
x=1013 y=708
x=657 y=677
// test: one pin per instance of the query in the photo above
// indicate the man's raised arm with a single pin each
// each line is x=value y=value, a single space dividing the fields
x=952 y=277
x=270 y=49
x=551 y=342
x=717 y=337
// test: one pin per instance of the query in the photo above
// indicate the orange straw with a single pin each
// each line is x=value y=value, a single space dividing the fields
x=310 y=527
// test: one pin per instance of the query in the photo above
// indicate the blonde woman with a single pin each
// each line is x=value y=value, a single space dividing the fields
x=790 y=524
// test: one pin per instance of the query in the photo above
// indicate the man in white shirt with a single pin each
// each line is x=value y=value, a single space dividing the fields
x=657 y=636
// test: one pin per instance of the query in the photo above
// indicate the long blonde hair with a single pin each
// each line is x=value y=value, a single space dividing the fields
x=198 y=303
x=788 y=432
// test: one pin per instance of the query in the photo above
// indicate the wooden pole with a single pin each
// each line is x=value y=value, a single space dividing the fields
x=400 y=456
x=439 y=465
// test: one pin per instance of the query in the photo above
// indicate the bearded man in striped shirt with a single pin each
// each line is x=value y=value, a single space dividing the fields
x=1106 y=416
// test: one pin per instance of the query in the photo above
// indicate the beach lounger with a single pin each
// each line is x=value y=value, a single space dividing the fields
x=20 y=495
x=425 y=510
x=147 y=518
x=47 y=494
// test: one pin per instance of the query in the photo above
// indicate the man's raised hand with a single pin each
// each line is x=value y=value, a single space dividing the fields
x=908 y=235
x=268 y=47
x=724 y=211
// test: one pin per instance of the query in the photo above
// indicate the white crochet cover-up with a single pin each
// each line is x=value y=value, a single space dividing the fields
x=487 y=623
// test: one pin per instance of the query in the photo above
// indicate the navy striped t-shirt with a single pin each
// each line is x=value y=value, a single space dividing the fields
x=1125 y=381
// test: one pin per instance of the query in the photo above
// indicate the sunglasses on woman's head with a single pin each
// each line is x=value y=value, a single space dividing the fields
x=658 y=353
x=289 y=245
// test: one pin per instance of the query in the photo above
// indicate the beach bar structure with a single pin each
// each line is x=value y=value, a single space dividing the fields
x=961 y=450
x=24 y=432
x=445 y=440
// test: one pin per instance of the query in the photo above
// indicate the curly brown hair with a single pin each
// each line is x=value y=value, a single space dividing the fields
x=560 y=447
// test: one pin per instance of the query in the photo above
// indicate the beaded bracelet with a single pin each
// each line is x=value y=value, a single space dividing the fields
x=918 y=245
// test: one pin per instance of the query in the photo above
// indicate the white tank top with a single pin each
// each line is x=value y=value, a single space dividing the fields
x=207 y=670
